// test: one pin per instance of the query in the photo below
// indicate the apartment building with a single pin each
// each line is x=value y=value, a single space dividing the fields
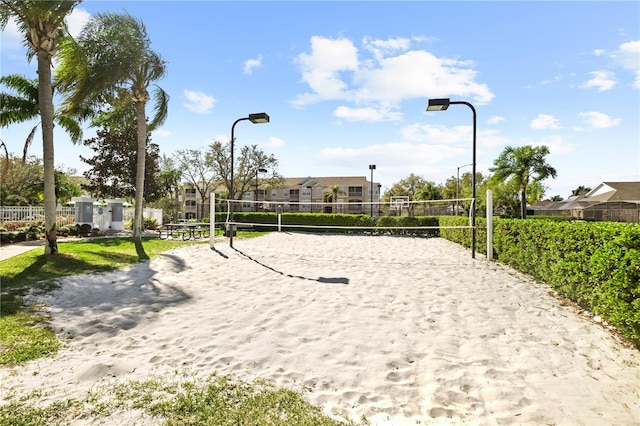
x=340 y=194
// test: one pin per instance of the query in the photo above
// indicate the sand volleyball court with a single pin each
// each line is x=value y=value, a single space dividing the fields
x=396 y=329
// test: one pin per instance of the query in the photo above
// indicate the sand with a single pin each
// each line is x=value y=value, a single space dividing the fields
x=396 y=329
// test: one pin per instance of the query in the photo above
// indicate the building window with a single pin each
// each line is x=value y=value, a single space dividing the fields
x=355 y=206
x=355 y=191
x=274 y=193
x=285 y=193
x=190 y=192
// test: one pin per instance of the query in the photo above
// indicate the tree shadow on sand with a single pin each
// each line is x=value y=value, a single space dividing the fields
x=107 y=303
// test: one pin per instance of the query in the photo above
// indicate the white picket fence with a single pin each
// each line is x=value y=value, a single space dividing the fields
x=20 y=216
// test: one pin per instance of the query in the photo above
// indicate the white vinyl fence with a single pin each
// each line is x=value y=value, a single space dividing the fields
x=13 y=217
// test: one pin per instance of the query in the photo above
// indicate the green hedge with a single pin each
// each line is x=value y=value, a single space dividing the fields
x=595 y=264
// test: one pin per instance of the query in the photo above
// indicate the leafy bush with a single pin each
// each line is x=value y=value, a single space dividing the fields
x=150 y=223
x=64 y=231
x=595 y=264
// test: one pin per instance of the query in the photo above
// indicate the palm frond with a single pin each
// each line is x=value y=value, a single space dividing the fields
x=160 y=108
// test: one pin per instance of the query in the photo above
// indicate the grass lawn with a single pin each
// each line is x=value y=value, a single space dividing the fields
x=25 y=335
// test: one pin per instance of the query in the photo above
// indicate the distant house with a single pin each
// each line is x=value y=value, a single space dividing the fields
x=609 y=201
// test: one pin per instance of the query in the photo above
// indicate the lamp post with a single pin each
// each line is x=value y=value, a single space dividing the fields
x=378 y=200
x=458 y=185
x=372 y=167
x=442 y=105
x=261 y=170
x=257 y=118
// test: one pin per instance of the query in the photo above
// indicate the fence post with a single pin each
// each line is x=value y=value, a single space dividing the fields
x=212 y=219
x=489 y=203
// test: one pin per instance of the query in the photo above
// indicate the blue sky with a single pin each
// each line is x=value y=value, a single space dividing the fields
x=346 y=84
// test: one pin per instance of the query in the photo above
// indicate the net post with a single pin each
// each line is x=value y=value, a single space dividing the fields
x=212 y=219
x=279 y=212
x=489 y=224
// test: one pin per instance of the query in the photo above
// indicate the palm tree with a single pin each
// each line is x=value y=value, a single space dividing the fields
x=42 y=22
x=24 y=106
x=112 y=63
x=523 y=164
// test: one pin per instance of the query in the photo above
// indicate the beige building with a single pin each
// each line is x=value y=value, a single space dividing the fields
x=609 y=201
x=334 y=194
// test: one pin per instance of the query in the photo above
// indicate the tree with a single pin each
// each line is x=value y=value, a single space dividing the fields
x=169 y=184
x=333 y=197
x=408 y=187
x=24 y=106
x=581 y=190
x=522 y=165
x=113 y=63
x=113 y=168
x=251 y=160
x=24 y=186
x=25 y=180
x=41 y=23
x=429 y=191
x=197 y=169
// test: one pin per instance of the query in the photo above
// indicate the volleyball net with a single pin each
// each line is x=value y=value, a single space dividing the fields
x=399 y=215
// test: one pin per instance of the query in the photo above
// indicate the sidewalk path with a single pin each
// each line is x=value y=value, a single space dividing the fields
x=14 y=249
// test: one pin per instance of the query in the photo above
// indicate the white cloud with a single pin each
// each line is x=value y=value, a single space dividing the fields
x=544 y=121
x=555 y=143
x=322 y=67
x=382 y=74
x=599 y=120
x=495 y=119
x=162 y=133
x=598 y=52
x=77 y=20
x=198 y=102
x=602 y=80
x=628 y=56
x=491 y=138
x=250 y=64
x=412 y=156
x=12 y=38
x=367 y=114
x=274 y=142
x=382 y=48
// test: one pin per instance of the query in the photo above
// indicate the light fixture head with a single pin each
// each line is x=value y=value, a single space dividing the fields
x=260 y=117
x=438 y=104
x=372 y=166
x=262 y=170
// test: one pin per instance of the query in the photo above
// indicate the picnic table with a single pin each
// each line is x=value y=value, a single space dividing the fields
x=185 y=230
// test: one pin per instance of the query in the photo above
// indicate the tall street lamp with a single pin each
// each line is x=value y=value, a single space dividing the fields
x=258 y=118
x=256 y=197
x=458 y=185
x=372 y=167
x=441 y=105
